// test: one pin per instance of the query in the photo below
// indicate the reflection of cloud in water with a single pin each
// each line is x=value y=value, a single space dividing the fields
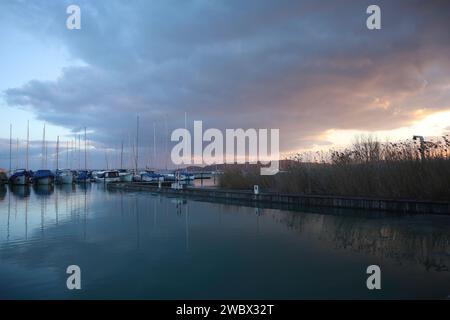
x=143 y=239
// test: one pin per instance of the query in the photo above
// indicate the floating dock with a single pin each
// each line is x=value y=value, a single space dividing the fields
x=292 y=201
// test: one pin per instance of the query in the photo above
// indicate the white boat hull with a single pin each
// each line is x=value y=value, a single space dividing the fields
x=128 y=177
x=66 y=179
x=107 y=180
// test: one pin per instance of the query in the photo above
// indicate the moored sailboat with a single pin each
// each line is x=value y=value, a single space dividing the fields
x=83 y=176
x=20 y=177
x=151 y=176
x=125 y=176
x=43 y=177
x=64 y=176
x=108 y=176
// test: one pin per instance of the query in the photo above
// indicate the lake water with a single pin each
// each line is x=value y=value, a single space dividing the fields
x=144 y=246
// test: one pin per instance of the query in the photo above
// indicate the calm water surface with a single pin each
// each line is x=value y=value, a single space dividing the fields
x=144 y=246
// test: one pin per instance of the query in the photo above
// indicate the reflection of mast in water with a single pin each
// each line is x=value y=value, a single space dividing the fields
x=67 y=202
x=187 y=226
x=56 y=205
x=26 y=218
x=121 y=204
x=167 y=206
x=9 y=214
x=77 y=207
x=85 y=214
x=154 y=213
x=42 y=217
x=179 y=203
x=43 y=213
x=71 y=205
x=137 y=222
x=15 y=207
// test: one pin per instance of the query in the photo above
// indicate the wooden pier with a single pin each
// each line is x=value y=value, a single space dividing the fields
x=291 y=200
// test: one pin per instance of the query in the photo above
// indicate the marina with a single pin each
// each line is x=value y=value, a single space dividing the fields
x=232 y=157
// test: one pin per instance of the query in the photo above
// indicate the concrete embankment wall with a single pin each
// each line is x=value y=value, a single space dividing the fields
x=291 y=200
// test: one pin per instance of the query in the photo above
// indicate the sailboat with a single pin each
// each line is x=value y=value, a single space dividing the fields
x=44 y=176
x=124 y=175
x=64 y=176
x=151 y=176
x=83 y=176
x=19 y=176
x=108 y=176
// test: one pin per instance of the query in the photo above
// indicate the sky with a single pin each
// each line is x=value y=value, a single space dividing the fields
x=310 y=68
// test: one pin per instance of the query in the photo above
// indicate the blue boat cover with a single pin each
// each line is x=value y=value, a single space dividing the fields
x=83 y=175
x=152 y=175
x=21 y=173
x=40 y=174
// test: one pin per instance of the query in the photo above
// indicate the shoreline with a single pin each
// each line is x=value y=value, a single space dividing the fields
x=294 y=201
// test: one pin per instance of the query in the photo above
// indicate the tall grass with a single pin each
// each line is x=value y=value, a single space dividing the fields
x=369 y=168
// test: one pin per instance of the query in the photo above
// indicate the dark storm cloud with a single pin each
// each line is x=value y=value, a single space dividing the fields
x=301 y=66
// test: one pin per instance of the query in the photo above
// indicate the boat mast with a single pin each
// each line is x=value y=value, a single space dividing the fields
x=74 y=147
x=71 y=154
x=87 y=154
x=67 y=154
x=17 y=154
x=106 y=159
x=166 y=139
x=137 y=144
x=43 y=148
x=46 y=150
x=79 y=152
x=85 y=150
x=121 y=157
x=57 y=153
x=154 y=145
x=130 y=152
x=10 y=147
x=185 y=127
x=28 y=144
